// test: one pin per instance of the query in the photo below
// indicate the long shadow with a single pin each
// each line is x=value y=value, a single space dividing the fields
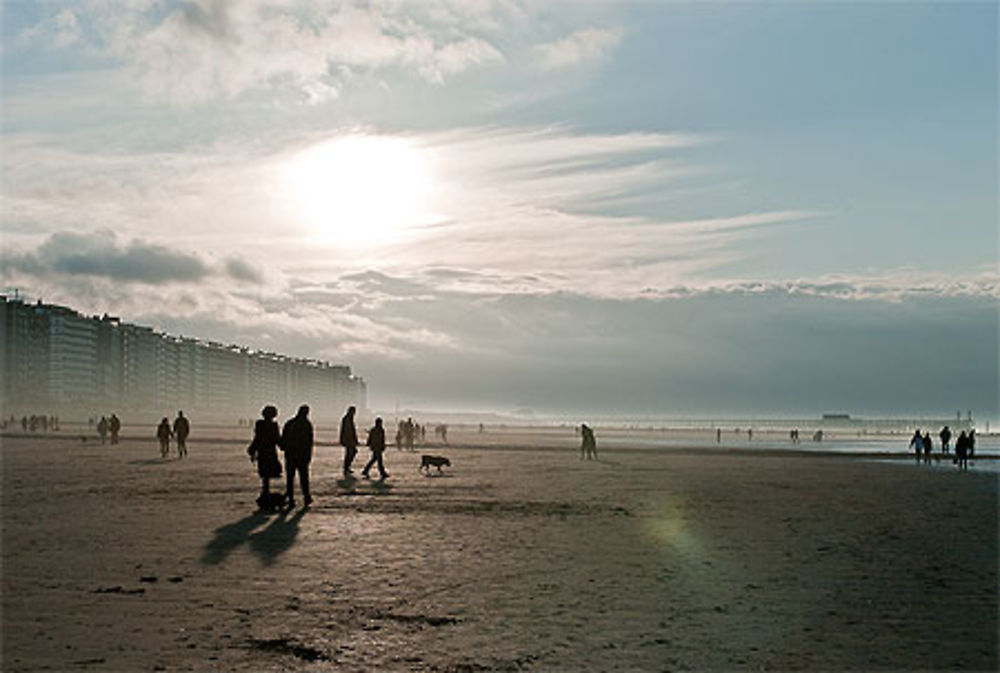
x=270 y=543
x=229 y=537
x=150 y=461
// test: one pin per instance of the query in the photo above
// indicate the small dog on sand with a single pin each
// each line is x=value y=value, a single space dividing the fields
x=426 y=462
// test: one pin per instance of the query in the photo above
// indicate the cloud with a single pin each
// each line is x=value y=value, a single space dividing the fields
x=207 y=49
x=243 y=271
x=589 y=44
x=98 y=254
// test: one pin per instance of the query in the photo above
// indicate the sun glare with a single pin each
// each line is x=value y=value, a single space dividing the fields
x=360 y=190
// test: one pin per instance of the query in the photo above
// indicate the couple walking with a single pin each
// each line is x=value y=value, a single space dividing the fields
x=296 y=440
x=349 y=440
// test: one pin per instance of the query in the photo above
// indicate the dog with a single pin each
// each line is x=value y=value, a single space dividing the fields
x=426 y=462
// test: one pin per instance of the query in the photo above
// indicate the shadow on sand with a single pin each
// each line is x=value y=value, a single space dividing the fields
x=271 y=542
x=152 y=461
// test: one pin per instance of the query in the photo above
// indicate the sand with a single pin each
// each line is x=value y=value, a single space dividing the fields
x=514 y=559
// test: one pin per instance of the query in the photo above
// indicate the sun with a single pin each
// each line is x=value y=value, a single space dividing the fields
x=360 y=190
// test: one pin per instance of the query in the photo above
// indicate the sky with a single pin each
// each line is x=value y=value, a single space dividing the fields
x=599 y=208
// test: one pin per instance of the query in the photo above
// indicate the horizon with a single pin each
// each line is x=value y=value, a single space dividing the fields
x=624 y=209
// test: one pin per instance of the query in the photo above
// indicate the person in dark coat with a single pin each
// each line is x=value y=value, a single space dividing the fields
x=348 y=440
x=297 y=443
x=264 y=451
x=163 y=433
x=181 y=431
x=114 y=426
x=376 y=442
x=962 y=451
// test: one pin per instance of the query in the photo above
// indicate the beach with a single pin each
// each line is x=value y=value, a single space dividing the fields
x=518 y=557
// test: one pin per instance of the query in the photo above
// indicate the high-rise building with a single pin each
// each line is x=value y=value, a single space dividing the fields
x=54 y=360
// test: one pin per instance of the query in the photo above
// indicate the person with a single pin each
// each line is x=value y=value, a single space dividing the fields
x=928 y=445
x=264 y=451
x=917 y=443
x=376 y=442
x=102 y=429
x=945 y=436
x=718 y=435
x=163 y=433
x=588 y=445
x=348 y=440
x=408 y=430
x=961 y=451
x=181 y=431
x=114 y=425
x=971 y=444
x=297 y=443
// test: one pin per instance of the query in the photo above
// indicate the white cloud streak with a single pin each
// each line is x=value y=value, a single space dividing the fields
x=589 y=44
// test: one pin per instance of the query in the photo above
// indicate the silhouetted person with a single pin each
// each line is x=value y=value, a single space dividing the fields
x=917 y=443
x=399 y=435
x=971 y=453
x=114 y=426
x=376 y=442
x=163 y=433
x=102 y=429
x=945 y=436
x=297 y=443
x=181 y=431
x=348 y=440
x=408 y=430
x=718 y=435
x=962 y=451
x=928 y=445
x=24 y=423
x=264 y=451
x=749 y=434
x=588 y=445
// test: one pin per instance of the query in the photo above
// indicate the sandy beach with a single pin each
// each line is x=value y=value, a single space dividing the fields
x=517 y=558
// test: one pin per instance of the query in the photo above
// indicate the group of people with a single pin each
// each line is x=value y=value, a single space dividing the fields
x=407 y=432
x=965 y=446
x=295 y=439
x=32 y=423
x=179 y=431
x=109 y=425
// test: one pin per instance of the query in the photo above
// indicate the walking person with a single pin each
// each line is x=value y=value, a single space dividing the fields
x=264 y=451
x=348 y=440
x=376 y=442
x=588 y=445
x=928 y=445
x=102 y=429
x=962 y=451
x=163 y=433
x=945 y=436
x=181 y=431
x=917 y=443
x=297 y=443
x=114 y=426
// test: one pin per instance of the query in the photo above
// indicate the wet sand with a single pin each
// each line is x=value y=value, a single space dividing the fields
x=515 y=559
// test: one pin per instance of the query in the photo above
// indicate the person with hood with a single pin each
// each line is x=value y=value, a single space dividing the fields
x=348 y=440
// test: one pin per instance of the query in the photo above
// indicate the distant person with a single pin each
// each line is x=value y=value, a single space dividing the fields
x=945 y=436
x=928 y=445
x=264 y=451
x=818 y=436
x=376 y=442
x=163 y=433
x=399 y=435
x=408 y=431
x=718 y=435
x=297 y=443
x=482 y=428
x=102 y=429
x=962 y=451
x=588 y=445
x=349 y=440
x=749 y=434
x=181 y=431
x=114 y=426
x=917 y=443
x=971 y=453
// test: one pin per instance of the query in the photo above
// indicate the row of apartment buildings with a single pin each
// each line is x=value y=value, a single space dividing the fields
x=53 y=360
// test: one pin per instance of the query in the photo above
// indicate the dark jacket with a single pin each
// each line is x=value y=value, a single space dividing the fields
x=264 y=448
x=376 y=439
x=348 y=434
x=297 y=440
